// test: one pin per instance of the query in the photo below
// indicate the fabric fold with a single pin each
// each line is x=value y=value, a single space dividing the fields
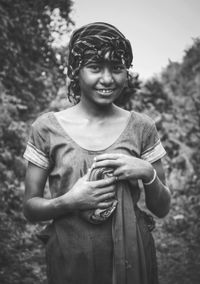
x=128 y=263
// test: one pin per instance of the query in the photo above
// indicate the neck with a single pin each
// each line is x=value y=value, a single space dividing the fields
x=96 y=111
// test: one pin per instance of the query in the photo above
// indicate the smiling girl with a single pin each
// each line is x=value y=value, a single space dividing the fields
x=93 y=155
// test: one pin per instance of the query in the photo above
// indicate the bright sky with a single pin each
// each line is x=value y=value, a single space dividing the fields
x=159 y=30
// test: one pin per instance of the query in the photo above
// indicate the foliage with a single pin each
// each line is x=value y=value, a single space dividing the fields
x=31 y=72
x=13 y=133
x=18 y=241
x=173 y=100
x=30 y=69
x=179 y=125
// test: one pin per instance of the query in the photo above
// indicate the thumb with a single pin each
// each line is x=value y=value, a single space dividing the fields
x=87 y=175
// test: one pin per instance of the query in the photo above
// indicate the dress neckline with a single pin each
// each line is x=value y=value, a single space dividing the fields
x=64 y=133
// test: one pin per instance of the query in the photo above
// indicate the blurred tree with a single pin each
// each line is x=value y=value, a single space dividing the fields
x=173 y=101
x=153 y=96
x=182 y=83
x=31 y=72
x=30 y=68
x=178 y=87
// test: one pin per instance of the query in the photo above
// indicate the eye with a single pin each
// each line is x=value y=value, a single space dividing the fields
x=118 y=67
x=95 y=67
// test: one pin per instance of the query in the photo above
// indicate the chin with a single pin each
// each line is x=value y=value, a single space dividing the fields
x=105 y=102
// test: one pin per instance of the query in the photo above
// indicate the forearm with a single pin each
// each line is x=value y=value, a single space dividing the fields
x=38 y=209
x=158 y=198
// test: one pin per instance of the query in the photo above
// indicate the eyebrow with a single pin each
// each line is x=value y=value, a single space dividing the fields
x=104 y=61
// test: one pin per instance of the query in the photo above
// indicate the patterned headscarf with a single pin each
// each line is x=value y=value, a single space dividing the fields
x=94 y=41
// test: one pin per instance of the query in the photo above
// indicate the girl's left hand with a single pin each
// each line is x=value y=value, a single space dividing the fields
x=125 y=167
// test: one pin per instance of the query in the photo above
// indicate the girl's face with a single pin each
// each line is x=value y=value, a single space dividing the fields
x=102 y=81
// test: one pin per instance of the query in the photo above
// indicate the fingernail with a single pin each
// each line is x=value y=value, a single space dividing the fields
x=95 y=158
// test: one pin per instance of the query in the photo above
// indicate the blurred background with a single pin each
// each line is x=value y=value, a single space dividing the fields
x=165 y=37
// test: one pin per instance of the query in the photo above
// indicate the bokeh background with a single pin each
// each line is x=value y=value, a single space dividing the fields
x=165 y=36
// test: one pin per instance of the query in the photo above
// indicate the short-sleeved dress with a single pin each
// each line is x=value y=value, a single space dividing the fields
x=119 y=250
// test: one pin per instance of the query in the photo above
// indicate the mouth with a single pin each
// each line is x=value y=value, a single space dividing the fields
x=105 y=91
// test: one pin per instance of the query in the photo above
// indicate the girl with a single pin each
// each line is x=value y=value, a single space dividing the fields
x=93 y=155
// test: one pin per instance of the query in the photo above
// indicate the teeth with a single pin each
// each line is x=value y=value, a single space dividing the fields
x=105 y=91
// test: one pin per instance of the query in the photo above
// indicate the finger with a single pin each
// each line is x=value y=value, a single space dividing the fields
x=118 y=178
x=107 y=196
x=119 y=174
x=105 y=204
x=86 y=176
x=119 y=171
x=103 y=182
x=105 y=163
x=107 y=189
x=110 y=156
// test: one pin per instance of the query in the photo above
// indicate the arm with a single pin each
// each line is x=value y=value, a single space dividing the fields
x=157 y=195
x=36 y=207
x=83 y=195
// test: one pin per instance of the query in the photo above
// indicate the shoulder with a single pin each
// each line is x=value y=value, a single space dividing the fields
x=144 y=128
x=142 y=120
x=43 y=121
x=151 y=147
x=70 y=113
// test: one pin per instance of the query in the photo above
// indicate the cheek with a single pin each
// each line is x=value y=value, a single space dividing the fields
x=86 y=79
x=83 y=82
x=122 y=80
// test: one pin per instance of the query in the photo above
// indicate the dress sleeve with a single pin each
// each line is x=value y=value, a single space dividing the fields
x=152 y=148
x=37 y=149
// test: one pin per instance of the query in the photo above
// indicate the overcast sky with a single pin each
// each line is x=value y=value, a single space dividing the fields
x=159 y=30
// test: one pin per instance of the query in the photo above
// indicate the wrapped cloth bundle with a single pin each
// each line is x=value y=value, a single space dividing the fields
x=98 y=215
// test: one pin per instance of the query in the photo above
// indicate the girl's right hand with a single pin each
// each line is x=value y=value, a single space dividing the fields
x=92 y=194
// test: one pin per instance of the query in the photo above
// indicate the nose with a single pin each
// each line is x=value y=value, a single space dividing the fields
x=106 y=76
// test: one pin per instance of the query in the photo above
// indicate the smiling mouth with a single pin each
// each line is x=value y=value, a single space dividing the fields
x=105 y=91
